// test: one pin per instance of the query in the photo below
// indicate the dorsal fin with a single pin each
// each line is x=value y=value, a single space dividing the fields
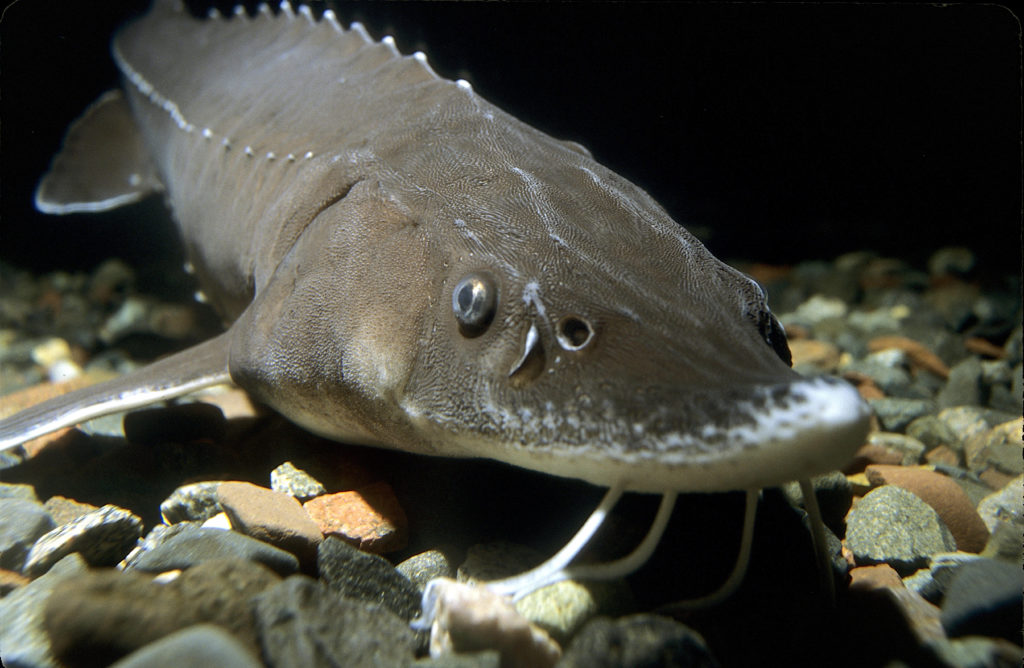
x=103 y=163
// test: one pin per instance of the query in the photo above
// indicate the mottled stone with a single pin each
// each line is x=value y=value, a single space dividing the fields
x=637 y=640
x=933 y=582
x=295 y=482
x=910 y=449
x=1001 y=448
x=193 y=545
x=366 y=577
x=895 y=414
x=64 y=510
x=22 y=522
x=198 y=645
x=985 y=599
x=304 y=623
x=11 y=490
x=1006 y=505
x=103 y=537
x=916 y=352
x=196 y=502
x=964 y=386
x=893 y=526
x=424 y=567
x=272 y=517
x=369 y=518
x=933 y=432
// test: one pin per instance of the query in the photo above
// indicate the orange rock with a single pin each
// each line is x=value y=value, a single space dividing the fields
x=941 y=493
x=869 y=454
x=942 y=454
x=820 y=354
x=865 y=385
x=981 y=346
x=369 y=518
x=919 y=355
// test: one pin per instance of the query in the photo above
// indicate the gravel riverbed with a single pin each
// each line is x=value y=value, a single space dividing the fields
x=212 y=531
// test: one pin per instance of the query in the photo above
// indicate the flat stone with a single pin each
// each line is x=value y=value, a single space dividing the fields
x=893 y=526
x=196 y=502
x=193 y=545
x=985 y=599
x=295 y=482
x=22 y=637
x=637 y=640
x=895 y=414
x=22 y=522
x=366 y=577
x=272 y=517
x=103 y=537
x=369 y=518
x=424 y=567
x=199 y=645
x=304 y=623
x=943 y=495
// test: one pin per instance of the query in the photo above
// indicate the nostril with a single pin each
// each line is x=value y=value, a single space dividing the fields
x=574 y=333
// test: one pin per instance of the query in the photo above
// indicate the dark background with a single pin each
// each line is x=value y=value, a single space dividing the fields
x=775 y=132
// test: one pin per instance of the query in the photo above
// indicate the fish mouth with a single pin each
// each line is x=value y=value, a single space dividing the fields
x=716 y=440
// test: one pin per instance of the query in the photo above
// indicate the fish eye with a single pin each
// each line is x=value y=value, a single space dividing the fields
x=474 y=302
x=574 y=332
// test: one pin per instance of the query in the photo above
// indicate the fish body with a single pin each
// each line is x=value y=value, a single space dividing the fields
x=403 y=264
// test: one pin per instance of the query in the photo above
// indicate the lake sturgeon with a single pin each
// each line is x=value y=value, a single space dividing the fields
x=405 y=265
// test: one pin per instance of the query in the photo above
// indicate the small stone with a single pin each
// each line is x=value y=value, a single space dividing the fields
x=103 y=537
x=64 y=510
x=1000 y=447
x=424 y=567
x=369 y=518
x=295 y=482
x=917 y=353
x=895 y=414
x=178 y=423
x=199 y=645
x=272 y=517
x=942 y=455
x=980 y=652
x=11 y=580
x=965 y=422
x=886 y=369
x=834 y=493
x=911 y=450
x=366 y=577
x=23 y=640
x=985 y=599
x=192 y=545
x=1004 y=506
x=933 y=432
x=637 y=640
x=304 y=623
x=22 y=522
x=942 y=494
x=882 y=581
x=893 y=526
x=821 y=356
x=983 y=347
x=933 y=582
x=11 y=490
x=562 y=608
x=995 y=479
x=869 y=454
x=964 y=387
x=197 y=502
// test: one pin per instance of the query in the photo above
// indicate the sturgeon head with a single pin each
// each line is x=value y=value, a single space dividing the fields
x=501 y=294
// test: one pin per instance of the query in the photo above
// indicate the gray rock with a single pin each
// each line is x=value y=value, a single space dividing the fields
x=979 y=652
x=933 y=432
x=424 y=567
x=22 y=522
x=193 y=545
x=933 y=582
x=834 y=495
x=999 y=448
x=199 y=645
x=23 y=640
x=366 y=577
x=14 y=490
x=295 y=482
x=103 y=537
x=911 y=448
x=968 y=422
x=634 y=641
x=985 y=599
x=305 y=624
x=191 y=503
x=895 y=413
x=893 y=526
x=1006 y=505
x=964 y=386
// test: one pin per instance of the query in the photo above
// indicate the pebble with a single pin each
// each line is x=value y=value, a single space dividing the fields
x=910 y=449
x=192 y=545
x=199 y=645
x=303 y=623
x=985 y=599
x=1001 y=448
x=881 y=581
x=933 y=432
x=964 y=387
x=196 y=502
x=917 y=353
x=943 y=495
x=637 y=640
x=896 y=413
x=22 y=522
x=10 y=490
x=1006 y=505
x=23 y=640
x=366 y=577
x=102 y=537
x=272 y=517
x=893 y=526
x=369 y=518
x=933 y=582
x=295 y=482
x=819 y=356
x=424 y=567
x=64 y=510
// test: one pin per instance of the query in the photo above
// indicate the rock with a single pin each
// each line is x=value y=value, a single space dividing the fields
x=894 y=414
x=893 y=526
x=942 y=455
x=819 y=356
x=942 y=494
x=496 y=560
x=964 y=386
x=637 y=640
x=11 y=490
x=424 y=567
x=881 y=581
x=271 y=517
x=64 y=510
x=985 y=599
x=886 y=369
x=295 y=482
x=1006 y=505
x=23 y=640
x=951 y=261
x=103 y=537
x=177 y=423
x=192 y=546
x=999 y=448
x=22 y=522
x=366 y=577
x=933 y=582
x=562 y=608
x=369 y=518
x=834 y=494
x=934 y=433
x=197 y=502
x=199 y=645
x=467 y=618
x=816 y=310
x=965 y=422
x=305 y=624
x=978 y=652
x=917 y=353
x=11 y=580
x=910 y=449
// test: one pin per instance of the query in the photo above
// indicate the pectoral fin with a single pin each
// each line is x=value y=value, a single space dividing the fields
x=187 y=371
x=103 y=163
